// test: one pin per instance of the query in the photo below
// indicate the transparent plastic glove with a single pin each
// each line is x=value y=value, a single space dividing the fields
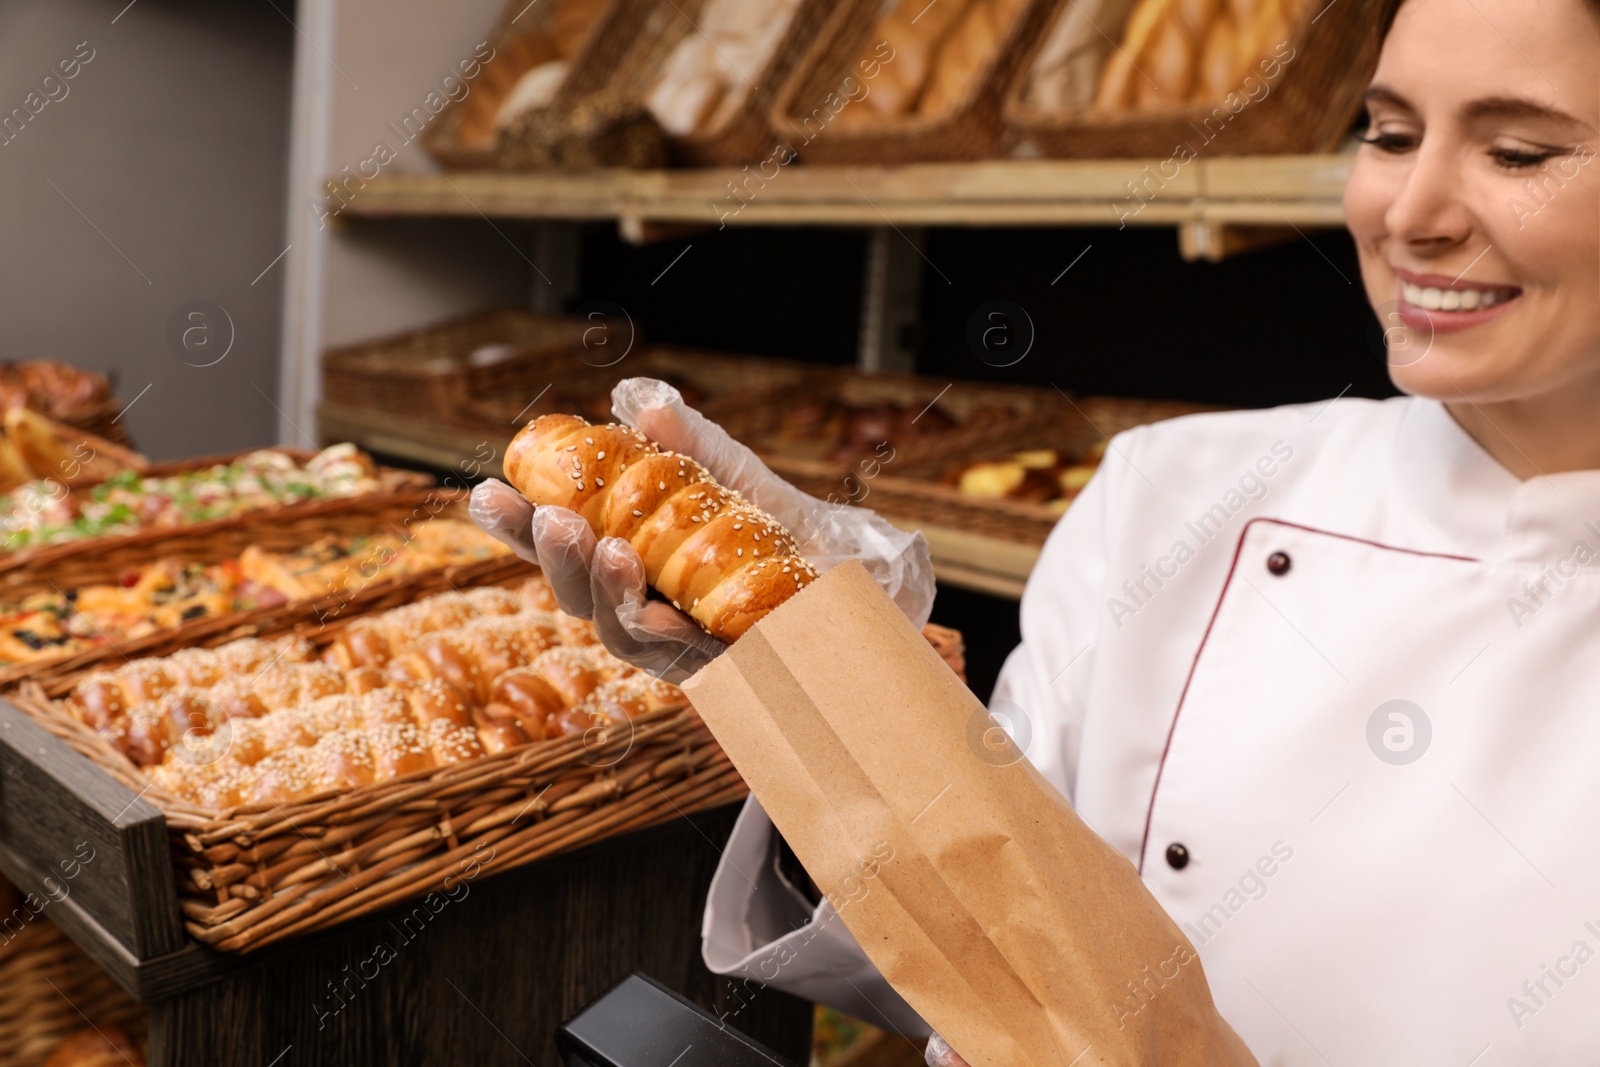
x=557 y=539
x=939 y=1054
x=828 y=533
x=650 y=634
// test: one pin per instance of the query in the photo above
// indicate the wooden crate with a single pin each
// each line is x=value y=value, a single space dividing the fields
x=970 y=129
x=1308 y=107
x=50 y=989
x=427 y=373
x=486 y=980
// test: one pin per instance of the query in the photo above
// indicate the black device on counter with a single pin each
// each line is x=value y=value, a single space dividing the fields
x=641 y=1023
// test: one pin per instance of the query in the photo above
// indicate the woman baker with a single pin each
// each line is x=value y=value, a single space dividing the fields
x=1326 y=674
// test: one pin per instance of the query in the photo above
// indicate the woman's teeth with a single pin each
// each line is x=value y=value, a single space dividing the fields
x=1430 y=299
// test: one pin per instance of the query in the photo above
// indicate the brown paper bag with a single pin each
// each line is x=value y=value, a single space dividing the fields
x=1017 y=933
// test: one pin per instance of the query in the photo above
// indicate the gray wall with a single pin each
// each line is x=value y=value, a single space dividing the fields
x=172 y=143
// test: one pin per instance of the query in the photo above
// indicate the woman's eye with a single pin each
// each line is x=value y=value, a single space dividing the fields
x=1388 y=141
x=1522 y=158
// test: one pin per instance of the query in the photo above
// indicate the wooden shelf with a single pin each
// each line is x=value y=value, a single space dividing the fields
x=960 y=559
x=1272 y=191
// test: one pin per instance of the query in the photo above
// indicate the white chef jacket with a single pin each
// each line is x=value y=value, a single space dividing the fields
x=1214 y=642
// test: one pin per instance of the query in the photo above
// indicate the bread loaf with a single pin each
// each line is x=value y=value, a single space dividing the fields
x=915 y=30
x=1220 y=60
x=1169 y=64
x=704 y=547
x=964 y=56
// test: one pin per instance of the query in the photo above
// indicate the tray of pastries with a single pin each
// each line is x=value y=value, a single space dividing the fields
x=52 y=512
x=59 y=621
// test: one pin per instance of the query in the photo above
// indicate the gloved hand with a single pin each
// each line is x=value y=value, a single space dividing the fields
x=939 y=1054
x=605 y=580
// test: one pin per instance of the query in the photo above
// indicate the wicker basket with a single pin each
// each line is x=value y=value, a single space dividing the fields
x=50 y=989
x=970 y=130
x=427 y=373
x=725 y=384
x=918 y=492
x=252 y=876
x=1309 y=107
x=73 y=566
x=636 y=48
x=103 y=419
x=987 y=418
x=463 y=135
x=390 y=480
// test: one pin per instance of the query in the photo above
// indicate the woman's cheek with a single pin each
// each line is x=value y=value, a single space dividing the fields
x=1368 y=195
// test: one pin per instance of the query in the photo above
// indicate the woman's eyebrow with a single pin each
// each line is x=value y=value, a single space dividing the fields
x=1382 y=94
x=1516 y=107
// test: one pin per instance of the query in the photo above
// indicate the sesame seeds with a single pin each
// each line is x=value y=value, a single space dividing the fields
x=601 y=482
x=638 y=514
x=600 y=454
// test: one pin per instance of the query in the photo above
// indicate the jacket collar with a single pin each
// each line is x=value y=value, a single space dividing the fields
x=1475 y=503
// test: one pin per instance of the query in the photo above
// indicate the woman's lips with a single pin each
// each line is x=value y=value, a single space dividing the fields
x=1436 y=304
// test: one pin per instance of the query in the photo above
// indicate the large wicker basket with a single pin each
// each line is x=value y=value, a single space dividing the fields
x=72 y=566
x=462 y=136
x=969 y=130
x=986 y=418
x=1308 y=108
x=250 y=876
x=919 y=492
x=636 y=48
x=725 y=384
x=427 y=373
x=49 y=989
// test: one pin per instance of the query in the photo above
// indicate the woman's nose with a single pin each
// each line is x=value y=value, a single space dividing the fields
x=1430 y=211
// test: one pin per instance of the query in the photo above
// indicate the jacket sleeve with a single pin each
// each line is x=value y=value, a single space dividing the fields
x=759 y=930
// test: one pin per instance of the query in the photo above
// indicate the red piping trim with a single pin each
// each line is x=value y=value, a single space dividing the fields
x=1194 y=664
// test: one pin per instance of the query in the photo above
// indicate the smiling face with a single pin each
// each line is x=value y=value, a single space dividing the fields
x=1475 y=203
